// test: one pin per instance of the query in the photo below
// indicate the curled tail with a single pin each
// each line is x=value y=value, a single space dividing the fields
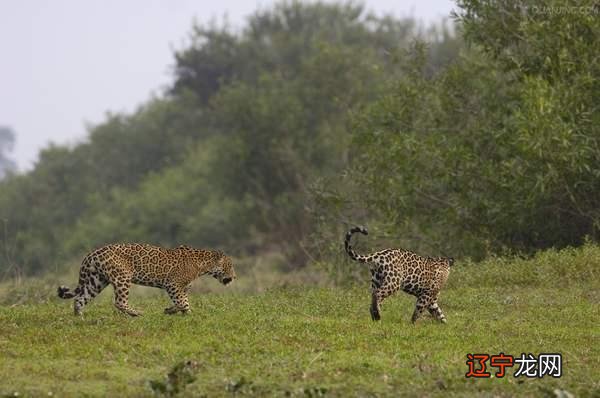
x=353 y=255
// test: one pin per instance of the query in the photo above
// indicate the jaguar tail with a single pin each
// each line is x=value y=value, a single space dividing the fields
x=353 y=255
x=65 y=293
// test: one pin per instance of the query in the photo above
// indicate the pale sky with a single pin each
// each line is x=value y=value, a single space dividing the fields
x=65 y=63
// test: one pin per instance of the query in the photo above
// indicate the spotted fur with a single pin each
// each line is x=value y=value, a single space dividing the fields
x=123 y=264
x=398 y=269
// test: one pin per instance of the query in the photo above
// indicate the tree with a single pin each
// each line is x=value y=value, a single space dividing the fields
x=228 y=156
x=499 y=151
x=7 y=141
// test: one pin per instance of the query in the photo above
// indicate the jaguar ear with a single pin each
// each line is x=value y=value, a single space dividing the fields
x=451 y=261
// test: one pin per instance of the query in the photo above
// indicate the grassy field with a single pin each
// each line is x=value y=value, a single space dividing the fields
x=315 y=341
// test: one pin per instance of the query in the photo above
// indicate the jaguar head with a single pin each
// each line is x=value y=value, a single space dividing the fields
x=223 y=269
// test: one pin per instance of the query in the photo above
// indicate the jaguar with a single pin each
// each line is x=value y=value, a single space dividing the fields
x=122 y=265
x=399 y=269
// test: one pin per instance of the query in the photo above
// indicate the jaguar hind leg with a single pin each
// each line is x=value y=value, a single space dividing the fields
x=436 y=312
x=91 y=283
x=423 y=301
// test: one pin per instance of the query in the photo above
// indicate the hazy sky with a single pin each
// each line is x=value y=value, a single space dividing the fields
x=65 y=63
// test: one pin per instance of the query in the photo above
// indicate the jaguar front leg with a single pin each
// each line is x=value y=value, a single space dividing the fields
x=121 y=287
x=180 y=300
x=171 y=310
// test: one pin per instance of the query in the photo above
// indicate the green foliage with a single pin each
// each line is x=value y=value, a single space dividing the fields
x=315 y=116
x=497 y=152
x=227 y=157
x=40 y=209
x=307 y=341
x=177 y=205
x=550 y=47
x=556 y=122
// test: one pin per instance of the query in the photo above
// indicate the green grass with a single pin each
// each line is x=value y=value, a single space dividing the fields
x=312 y=341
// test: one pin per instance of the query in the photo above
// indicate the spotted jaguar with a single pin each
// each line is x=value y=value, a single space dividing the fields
x=124 y=264
x=399 y=269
